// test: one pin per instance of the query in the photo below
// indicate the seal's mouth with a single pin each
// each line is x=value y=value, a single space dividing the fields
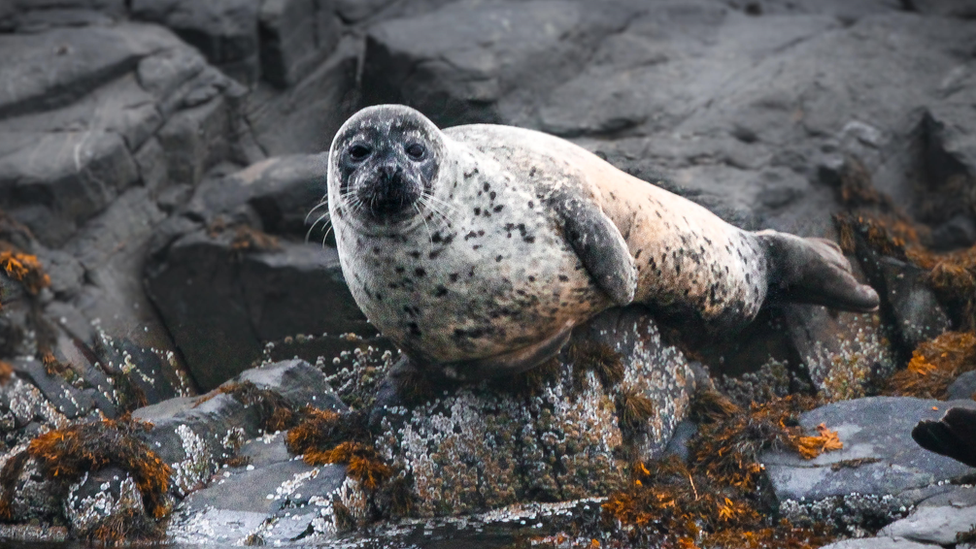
x=389 y=193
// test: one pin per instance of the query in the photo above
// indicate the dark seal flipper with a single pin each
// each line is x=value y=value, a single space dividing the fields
x=815 y=271
x=599 y=245
x=954 y=435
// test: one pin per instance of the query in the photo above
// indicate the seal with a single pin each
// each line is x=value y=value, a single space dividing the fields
x=478 y=248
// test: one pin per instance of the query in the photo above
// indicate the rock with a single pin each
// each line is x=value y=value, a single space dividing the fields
x=194 y=435
x=938 y=525
x=917 y=313
x=964 y=387
x=303 y=118
x=280 y=192
x=879 y=465
x=300 y=383
x=878 y=543
x=282 y=503
x=949 y=8
x=843 y=354
x=202 y=284
x=356 y=10
x=66 y=399
x=100 y=495
x=295 y=36
x=434 y=62
x=225 y=31
x=480 y=448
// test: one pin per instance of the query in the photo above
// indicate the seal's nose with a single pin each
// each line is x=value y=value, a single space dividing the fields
x=389 y=173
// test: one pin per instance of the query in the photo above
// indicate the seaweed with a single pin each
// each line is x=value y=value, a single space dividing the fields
x=716 y=500
x=66 y=455
x=934 y=365
x=26 y=269
x=633 y=409
x=597 y=357
x=6 y=371
x=277 y=413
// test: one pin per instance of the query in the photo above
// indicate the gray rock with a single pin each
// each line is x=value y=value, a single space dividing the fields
x=460 y=63
x=879 y=456
x=201 y=284
x=65 y=398
x=304 y=117
x=100 y=495
x=878 y=543
x=933 y=524
x=843 y=354
x=225 y=31
x=295 y=36
x=479 y=448
x=279 y=502
x=917 y=312
x=357 y=10
x=265 y=450
x=280 y=192
x=299 y=382
x=964 y=387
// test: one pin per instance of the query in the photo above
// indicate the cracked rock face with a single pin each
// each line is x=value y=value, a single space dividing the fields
x=480 y=448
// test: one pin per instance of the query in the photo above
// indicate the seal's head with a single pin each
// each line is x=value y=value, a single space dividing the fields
x=382 y=164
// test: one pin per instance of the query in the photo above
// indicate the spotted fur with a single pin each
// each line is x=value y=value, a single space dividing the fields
x=520 y=236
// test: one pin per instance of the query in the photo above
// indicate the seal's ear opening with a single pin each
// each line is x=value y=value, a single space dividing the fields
x=815 y=271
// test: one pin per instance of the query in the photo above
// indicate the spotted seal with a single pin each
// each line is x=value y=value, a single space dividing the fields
x=478 y=248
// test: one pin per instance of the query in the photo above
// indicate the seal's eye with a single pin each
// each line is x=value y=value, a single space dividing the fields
x=359 y=152
x=416 y=151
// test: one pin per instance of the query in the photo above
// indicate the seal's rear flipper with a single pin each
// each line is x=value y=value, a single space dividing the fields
x=813 y=270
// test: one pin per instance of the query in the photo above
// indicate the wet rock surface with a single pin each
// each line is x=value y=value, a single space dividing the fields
x=162 y=158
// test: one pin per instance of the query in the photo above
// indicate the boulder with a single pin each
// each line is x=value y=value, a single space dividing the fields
x=880 y=472
x=472 y=62
x=295 y=36
x=225 y=31
x=484 y=447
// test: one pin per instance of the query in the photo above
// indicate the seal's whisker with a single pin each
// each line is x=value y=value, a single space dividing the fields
x=323 y=202
x=430 y=236
x=435 y=207
x=328 y=225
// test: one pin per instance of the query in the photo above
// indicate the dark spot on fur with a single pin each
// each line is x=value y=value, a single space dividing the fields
x=399 y=270
x=531 y=278
x=434 y=254
x=471 y=234
x=486 y=187
x=563 y=278
x=441 y=291
x=453 y=277
x=531 y=204
x=497 y=208
x=529 y=239
x=532 y=172
x=420 y=272
x=492 y=195
x=414 y=329
x=414 y=254
x=498 y=259
x=477 y=211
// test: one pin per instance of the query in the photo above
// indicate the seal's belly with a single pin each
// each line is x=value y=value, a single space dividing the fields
x=486 y=287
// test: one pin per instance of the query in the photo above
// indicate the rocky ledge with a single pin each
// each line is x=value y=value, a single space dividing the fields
x=180 y=358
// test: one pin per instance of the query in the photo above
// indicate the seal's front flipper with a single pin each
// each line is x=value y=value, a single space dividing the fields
x=813 y=270
x=599 y=245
